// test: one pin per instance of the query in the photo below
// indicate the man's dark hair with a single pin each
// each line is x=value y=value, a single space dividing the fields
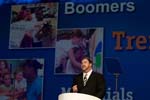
x=88 y=58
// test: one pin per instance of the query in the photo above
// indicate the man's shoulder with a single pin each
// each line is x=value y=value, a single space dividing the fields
x=80 y=74
x=93 y=72
x=97 y=74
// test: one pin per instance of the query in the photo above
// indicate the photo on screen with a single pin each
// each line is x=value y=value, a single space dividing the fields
x=75 y=43
x=33 y=26
x=21 y=79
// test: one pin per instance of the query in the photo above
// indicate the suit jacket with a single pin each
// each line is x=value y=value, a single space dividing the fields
x=95 y=85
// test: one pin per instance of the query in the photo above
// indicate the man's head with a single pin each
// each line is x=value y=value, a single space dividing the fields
x=77 y=36
x=86 y=64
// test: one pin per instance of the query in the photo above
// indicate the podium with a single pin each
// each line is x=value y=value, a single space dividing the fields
x=76 y=96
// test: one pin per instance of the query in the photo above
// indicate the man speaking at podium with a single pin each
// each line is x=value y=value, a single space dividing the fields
x=89 y=82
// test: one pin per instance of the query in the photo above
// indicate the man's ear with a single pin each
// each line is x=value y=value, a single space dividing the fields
x=91 y=64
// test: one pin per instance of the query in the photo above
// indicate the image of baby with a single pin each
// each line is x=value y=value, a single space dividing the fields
x=20 y=85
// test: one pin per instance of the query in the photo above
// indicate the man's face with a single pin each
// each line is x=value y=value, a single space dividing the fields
x=86 y=65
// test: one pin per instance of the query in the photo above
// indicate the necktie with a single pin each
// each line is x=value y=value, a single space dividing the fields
x=85 y=79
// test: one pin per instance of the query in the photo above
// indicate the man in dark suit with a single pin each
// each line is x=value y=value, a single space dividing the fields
x=89 y=82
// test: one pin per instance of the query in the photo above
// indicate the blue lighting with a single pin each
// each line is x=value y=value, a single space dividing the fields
x=78 y=1
x=1 y=2
x=18 y=1
x=41 y=1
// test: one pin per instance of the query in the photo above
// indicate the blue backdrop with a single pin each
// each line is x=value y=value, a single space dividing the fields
x=133 y=81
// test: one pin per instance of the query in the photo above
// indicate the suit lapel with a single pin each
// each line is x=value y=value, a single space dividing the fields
x=81 y=80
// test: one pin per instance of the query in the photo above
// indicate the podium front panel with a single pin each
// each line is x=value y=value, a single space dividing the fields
x=76 y=96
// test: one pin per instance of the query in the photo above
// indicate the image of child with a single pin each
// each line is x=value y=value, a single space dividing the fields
x=20 y=85
x=6 y=89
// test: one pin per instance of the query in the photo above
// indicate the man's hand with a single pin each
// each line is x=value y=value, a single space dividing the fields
x=75 y=88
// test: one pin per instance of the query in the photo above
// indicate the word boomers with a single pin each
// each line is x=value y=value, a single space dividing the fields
x=71 y=8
